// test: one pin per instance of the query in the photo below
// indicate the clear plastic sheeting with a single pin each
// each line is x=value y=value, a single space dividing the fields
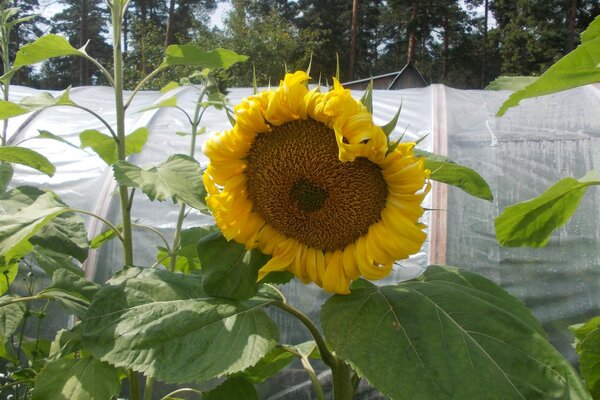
x=520 y=155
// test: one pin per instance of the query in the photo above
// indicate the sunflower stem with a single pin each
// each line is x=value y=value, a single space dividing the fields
x=341 y=372
x=182 y=207
x=341 y=376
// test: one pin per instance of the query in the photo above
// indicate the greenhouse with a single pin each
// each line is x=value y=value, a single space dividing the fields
x=178 y=223
x=519 y=155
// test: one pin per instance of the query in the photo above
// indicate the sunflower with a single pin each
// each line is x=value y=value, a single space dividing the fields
x=309 y=179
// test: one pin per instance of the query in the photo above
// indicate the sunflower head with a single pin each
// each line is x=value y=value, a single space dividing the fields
x=307 y=178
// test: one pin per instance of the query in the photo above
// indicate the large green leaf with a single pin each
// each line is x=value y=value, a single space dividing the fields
x=6 y=174
x=106 y=147
x=229 y=269
x=18 y=227
x=447 y=335
x=236 y=387
x=164 y=325
x=193 y=55
x=446 y=171
x=180 y=178
x=27 y=157
x=77 y=379
x=588 y=348
x=44 y=48
x=530 y=223
x=579 y=67
x=51 y=261
x=74 y=292
x=11 y=317
x=65 y=234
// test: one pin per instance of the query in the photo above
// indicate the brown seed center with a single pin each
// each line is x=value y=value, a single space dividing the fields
x=298 y=185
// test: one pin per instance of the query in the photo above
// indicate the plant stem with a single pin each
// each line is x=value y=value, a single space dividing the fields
x=117 y=18
x=326 y=355
x=149 y=388
x=340 y=371
x=134 y=385
x=341 y=376
x=106 y=222
x=181 y=216
x=313 y=378
x=170 y=395
x=6 y=67
x=117 y=10
x=21 y=300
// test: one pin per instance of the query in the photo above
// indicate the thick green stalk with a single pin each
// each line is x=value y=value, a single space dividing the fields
x=117 y=18
x=182 y=207
x=341 y=376
x=117 y=10
x=6 y=84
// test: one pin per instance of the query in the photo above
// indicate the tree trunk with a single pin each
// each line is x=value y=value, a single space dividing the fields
x=170 y=36
x=83 y=75
x=412 y=33
x=571 y=16
x=144 y=18
x=355 y=7
x=446 y=47
x=484 y=53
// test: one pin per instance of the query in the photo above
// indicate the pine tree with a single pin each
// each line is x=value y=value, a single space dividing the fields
x=84 y=23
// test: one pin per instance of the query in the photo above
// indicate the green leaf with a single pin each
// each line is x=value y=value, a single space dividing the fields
x=390 y=126
x=588 y=348
x=27 y=157
x=277 y=359
x=367 y=98
x=592 y=32
x=44 y=48
x=43 y=134
x=578 y=68
x=73 y=292
x=65 y=343
x=171 y=102
x=446 y=171
x=236 y=387
x=18 y=227
x=44 y=100
x=50 y=261
x=169 y=86
x=187 y=254
x=106 y=147
x=104 y=236
x=179 y=178
x=510 y=82
x=6 y=174
x=9 y=110
x=531 y=223
x=164 y=325
x=11 y=317
x=8 y=275
x=193 y=55
x=65 y=234
x=278 y=277
x=77 y=379
x=229 y=269
x=448 y=335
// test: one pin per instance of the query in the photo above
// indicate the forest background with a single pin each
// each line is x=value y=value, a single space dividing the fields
x=449 y=41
